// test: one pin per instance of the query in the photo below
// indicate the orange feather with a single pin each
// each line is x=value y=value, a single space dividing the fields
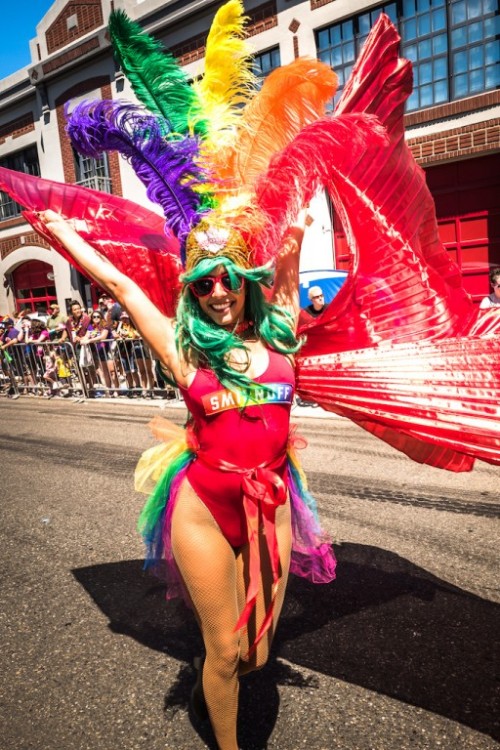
x=292 y=96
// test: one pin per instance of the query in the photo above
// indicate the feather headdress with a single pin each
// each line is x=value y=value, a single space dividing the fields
x=166 y=168
x=200 y=150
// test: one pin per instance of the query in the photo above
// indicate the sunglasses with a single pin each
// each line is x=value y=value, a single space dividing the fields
x=496 y=286
x=205 y=286
x=96 y=317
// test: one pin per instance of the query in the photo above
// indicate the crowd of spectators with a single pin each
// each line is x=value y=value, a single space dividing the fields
x=94 y=352
x=98 y=352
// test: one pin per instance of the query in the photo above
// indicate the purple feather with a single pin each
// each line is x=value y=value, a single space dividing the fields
x=167 y=169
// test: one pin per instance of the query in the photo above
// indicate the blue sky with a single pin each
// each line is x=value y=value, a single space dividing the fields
x=17 y=26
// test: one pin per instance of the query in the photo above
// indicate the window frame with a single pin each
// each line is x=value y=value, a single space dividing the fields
x=262 y=53
x=93 y=172
x=18 y=161
x=440 y=88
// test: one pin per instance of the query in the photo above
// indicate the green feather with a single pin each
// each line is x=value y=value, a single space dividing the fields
x=156 y=78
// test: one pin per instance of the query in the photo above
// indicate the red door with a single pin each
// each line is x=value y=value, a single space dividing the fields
x=467 y=197
x=34 y=286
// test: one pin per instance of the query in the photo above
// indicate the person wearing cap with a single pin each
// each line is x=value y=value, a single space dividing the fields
x=317 y=299
x=110 y=309
x=10 y=334
x=55 y=319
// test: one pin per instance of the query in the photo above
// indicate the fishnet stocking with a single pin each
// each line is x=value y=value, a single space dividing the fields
x=284 y=536
x=215 y=579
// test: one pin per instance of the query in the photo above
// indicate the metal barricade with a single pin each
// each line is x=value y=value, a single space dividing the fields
x=122 y=367
x=41 y=369
x=114 y=368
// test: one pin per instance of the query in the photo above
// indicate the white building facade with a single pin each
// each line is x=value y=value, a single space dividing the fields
x=452 y=120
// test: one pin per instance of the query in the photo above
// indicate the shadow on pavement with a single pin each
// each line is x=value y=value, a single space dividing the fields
x=385 y=624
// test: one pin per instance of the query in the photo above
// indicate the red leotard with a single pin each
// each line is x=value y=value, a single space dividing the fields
x=248 y=437
x=235 y=457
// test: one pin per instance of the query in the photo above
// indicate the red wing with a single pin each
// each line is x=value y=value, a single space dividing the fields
x=399 y=350
x=486 y=323
x=402 y=286
x=130 y=236
x=438 y=402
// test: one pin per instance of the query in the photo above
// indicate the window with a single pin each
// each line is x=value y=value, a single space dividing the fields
x=265 y=62
x=34 y=286
x=72 y=22
x=22 y=161
x=453 y=45
x=93 y=173
x=475 y=46
x=425 y=42
x=339 y=45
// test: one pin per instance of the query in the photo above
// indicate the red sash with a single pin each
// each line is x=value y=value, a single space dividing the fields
x=263 y=491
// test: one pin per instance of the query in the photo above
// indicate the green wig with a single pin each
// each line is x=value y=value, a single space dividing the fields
x=211 y=343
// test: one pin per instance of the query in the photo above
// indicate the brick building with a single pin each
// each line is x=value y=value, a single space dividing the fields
x=452 y=118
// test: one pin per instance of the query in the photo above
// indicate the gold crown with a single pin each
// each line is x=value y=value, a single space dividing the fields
x=210 y=239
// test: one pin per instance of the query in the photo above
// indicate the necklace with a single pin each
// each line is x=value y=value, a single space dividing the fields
x=241 y=328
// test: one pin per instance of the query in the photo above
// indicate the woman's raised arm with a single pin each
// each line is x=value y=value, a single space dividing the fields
x=156 y=329
x=286 y=279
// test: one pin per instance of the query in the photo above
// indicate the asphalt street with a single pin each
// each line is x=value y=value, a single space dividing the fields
x=398 y=653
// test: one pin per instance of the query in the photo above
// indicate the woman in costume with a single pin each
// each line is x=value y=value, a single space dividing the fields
x=229 y=510
x=227 y=513
x=399 y=350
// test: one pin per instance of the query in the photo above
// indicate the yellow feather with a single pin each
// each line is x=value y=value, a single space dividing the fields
x=228 y=81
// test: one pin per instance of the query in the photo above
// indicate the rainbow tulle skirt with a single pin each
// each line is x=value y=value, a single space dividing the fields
x=160 y=473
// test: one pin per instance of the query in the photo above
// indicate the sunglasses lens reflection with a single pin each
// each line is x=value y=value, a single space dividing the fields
x=205 y=286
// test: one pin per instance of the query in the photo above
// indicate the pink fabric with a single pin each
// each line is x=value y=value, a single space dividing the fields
x=312 y=553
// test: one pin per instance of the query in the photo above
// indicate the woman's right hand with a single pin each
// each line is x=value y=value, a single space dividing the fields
x=55 y=223
x=49 y=217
